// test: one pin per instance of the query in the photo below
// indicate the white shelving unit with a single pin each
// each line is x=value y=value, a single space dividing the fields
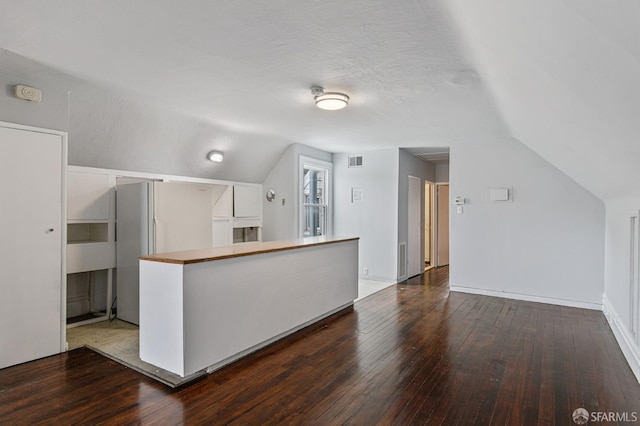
x=237 y=215
x=91 y=249
x=91 y=225
x=247 y=213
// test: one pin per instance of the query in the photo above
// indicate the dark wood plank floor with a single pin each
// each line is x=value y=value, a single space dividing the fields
x=410 y=354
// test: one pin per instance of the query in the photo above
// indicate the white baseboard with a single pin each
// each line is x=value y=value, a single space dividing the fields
x=629 y=349
x=528 y=298
x=378 y=278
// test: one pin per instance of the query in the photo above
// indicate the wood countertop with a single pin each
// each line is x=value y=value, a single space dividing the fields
x=240 y=250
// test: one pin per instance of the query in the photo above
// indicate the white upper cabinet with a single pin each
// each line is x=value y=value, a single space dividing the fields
x=87 y=196
x=247 y=201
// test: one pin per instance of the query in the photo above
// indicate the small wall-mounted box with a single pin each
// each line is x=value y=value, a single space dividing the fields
x=459 y=201
x=500 y=194
x=356 y=195
x=27 y=93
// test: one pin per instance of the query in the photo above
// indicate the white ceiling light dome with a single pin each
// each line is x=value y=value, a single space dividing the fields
x=215 y=156
x=330 y=101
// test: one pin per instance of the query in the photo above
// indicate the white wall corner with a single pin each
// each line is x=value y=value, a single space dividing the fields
x=630 y=350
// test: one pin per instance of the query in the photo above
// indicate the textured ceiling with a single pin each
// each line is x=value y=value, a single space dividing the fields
x=563 y=74
x=247 y=66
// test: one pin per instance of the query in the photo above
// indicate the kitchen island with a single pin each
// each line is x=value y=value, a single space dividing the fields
x=203 y=309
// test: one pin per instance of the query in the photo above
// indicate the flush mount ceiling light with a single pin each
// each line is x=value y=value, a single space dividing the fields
x=329 y=100
x=215 y=156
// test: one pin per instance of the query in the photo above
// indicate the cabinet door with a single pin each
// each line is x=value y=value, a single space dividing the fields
x=31 y=200
x=247 y=201
x=88 y=196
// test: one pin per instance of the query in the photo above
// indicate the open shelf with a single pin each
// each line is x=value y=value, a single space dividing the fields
x=81 y=233
x=87 y=296
x=245 y=235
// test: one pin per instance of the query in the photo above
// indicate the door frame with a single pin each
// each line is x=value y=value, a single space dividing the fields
x=63 y=225
x=314 y=163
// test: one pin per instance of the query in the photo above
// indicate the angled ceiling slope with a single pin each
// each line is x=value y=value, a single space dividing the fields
x=565 y=77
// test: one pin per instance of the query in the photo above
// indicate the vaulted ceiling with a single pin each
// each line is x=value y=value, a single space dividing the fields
x=559 y=75
x=566 y=77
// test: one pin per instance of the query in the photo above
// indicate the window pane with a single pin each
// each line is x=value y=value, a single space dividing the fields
x=314 y=186
x=314 y=220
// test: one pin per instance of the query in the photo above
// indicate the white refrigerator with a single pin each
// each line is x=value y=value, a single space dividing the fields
x=156 y=217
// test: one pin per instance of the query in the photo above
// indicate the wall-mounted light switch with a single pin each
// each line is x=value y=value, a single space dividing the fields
x=460 y=209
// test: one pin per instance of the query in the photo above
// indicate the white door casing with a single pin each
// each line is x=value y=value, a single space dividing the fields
x=428 y=238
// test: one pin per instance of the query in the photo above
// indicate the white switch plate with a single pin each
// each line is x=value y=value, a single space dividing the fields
x=499 y=194
x=460 y=209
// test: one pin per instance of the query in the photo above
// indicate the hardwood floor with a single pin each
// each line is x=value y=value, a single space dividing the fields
x=409 y=354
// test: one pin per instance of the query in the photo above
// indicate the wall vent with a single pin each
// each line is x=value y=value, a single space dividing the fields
x=402 y=260
x=355 y=161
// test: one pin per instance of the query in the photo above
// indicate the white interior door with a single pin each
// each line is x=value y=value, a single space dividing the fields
x=415 y=262
x=443 y=224
x=31 y=209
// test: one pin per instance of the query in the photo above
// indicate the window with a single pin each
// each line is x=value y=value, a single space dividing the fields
x=315 y=213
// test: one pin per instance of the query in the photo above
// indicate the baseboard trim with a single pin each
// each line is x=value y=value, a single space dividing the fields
x=528 y=298
x=629 y=349
x=377 y=278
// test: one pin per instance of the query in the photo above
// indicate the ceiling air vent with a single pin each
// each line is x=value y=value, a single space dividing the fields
x=355 y=161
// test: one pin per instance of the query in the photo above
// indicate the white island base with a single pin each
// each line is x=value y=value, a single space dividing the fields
x=203 y=309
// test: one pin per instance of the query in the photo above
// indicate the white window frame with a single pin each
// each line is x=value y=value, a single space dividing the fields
x=315 y=164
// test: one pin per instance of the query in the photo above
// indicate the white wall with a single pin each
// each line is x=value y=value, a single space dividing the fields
x=280 y=221
x=617 y=274
x=410 y=165
x=52 y=112
x=546 y=245
x=375 y=218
